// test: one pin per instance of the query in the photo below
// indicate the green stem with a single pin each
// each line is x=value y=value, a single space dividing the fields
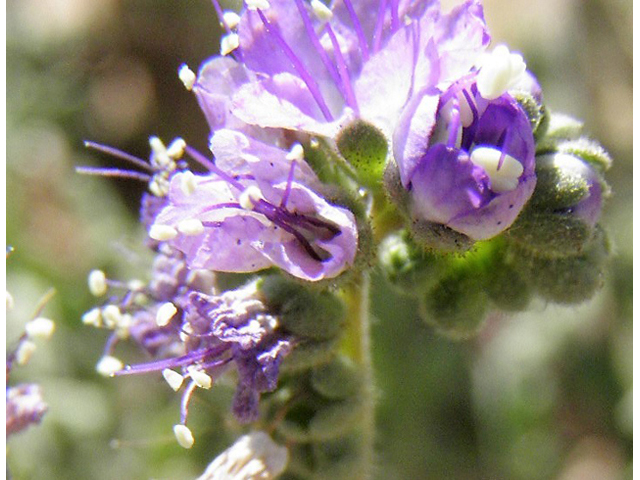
x=357 y=345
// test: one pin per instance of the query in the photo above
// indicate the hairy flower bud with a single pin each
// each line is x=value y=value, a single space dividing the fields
x=365 y=147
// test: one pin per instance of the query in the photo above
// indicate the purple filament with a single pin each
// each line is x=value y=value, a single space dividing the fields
x=119 y=154
x=114 y=172
x=358 y=28
x=345 y=81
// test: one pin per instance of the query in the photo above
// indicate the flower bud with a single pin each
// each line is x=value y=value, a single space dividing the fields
x=564 y=208
x=305 y=313
x=336 y=380
x=335 y=419
x=505 y=285
x=365 y=148
x=570 y=279
x=308 y=354
x=457 y=305
x=406 y=266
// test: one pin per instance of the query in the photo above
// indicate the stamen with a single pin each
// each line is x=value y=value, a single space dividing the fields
x=358 y=28
x=111 y=315
x=377 y=32
x=312 y=85
x=108 y=366
x=114 y=172
x=93 y=317
x=191 y=227
x=165 y=313
x=321 y=11
x=504 y=178
x=229 y=43
x=173 y=378
x=205 y=162
x=186 y=398
x=40 y=328
x=500 y=70
x=187 y=76
x=176 y=149
x=287 y=191
x=296 y=152
x=201 y=378
x=230 y=19
x=97 y=281
x=188 y=184
x=114 y=152
x=182 y=361
x=257 y=4
x=25 y=352
x=345 y=81
x=183 y=436
x=220 y=14
x=162 y=233
x=250 y=197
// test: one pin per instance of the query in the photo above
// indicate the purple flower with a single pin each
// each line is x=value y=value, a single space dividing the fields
x=25 y=407
x=258 y=207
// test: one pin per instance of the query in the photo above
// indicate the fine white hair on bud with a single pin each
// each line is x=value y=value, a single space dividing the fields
x=229 y=43
x=202 y=379
x=503 y=170
x=187 y=76
x=191 y=227
x=249 y=197
x=93 y=317
x=165 y=313
x=111 y=315
x=162 y=233
x=499 y=71
x=231 y=19
x=296 y=152
x=25 y=352
x=183 y=435
x=173 y=378
x=108 y=366
x=257 y=4
x=252 y=456
x=321 y=11
x=188 y=183
x=40 y=328
x=97 y=281
x=176 y=148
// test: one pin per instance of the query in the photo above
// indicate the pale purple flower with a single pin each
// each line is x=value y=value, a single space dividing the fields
x=25 y=407
x=258 y=207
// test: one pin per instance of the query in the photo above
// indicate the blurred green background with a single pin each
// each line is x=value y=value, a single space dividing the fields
x=541 y=395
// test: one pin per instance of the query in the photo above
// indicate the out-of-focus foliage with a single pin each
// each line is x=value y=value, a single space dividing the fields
x=546 y=394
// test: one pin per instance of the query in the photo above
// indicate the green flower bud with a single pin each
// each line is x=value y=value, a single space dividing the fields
x=365 y=147
x=570 y=279
x=336 y=380
x=340 y=458
x=306 y=355
x=505 y=286
x=301 y=311
x=535 y=111
x=439 y=237
x=408 y=267
x=335 y=419
x=588 y=150
x=457 y=305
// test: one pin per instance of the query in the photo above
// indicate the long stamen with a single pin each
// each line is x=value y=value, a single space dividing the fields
x=114 y=172
x=287 y=191
x=220 y=14
x=311 y=33
x=358 y=28
x=186 y=398
x=160 y=365
x=119 y=154
x=343 y=71
x=377 y=32
x=312 y=85
x=395 y=20
x=205 y=162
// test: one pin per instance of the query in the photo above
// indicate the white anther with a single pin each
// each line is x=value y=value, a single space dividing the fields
x=231 y=19
x=191 y=227
x=503 y=179
x=93 y=317
x=10 y=302
x=135 y=284
x=173 y=378
x=202 y=379
x=499 y=71
x=111 y=315
x=97 y=283
x=296 y=152
x=157 y=145
x=25 y=352
x=159 y=186
x=162 y=233
x=160 y=155
x=257 y=4
x=165 y=313
x=176 y=149
x=250 y=197
x=187 y=76
x=188 y=183
x=40 y=328
x=108 y=366
x=183 y=435
x=321 y=11
x=123 y=329
x=229 y=43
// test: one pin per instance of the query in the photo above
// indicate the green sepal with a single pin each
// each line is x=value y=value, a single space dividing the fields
x=535 y=111
x=304 y=312
x=336 y=380
x=506 y=287
x=365 y=147
x=308 y=354
x=560 y=128
x=550 y=234
x=569 y=280
x=588 y=150
x=439 y=237
x=339 y=458
x=456 y=306
x=557 y=187
x=408 y=268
